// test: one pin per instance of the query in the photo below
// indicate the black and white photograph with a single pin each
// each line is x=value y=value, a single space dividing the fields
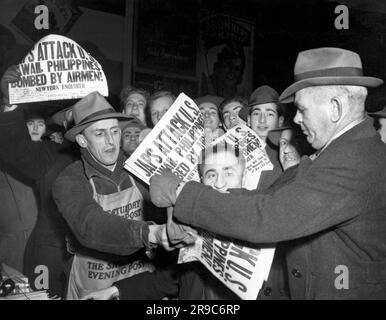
x=211 y=151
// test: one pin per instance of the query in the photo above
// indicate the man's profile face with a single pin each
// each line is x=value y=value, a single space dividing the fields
x=36 y=128
x=135 y=106
x=103 y=139
x=288 y=155
x=313 y=118
x=130 y=139
x=210 y=115
x=264 y=118
x=223 y=171
x=230 y=114
x=159 y=107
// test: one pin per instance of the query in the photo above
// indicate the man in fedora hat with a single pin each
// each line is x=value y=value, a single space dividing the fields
x=102 y=203
x=380 y=123
x=331 y=209
x=264 y=113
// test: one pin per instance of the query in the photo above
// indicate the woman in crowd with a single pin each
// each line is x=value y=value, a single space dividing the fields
x=134 y=102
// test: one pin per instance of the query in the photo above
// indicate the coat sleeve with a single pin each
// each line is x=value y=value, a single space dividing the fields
x=91 y=225
x=322 y=195
x=32 y=159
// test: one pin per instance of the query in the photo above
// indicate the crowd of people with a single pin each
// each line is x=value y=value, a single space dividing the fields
x=103 y=234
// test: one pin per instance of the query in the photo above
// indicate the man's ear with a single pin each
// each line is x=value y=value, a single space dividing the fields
x=336 y=109
x=81 y=140
x=281 y=121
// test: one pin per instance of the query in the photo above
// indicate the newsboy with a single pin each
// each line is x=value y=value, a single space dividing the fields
x=102 y=203
x=331 y=210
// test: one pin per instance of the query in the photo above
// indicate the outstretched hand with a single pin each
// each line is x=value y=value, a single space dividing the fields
x=163 y=188
x=179 y=235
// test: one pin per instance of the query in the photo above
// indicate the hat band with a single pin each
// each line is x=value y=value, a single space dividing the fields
x=96 y=114
x=332 y=72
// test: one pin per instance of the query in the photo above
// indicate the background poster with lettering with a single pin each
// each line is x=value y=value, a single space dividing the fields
x=57 y=68
x=175 y=142
x=225 y=61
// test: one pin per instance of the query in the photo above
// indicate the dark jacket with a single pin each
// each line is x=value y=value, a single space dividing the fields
x=41 y=162
x=333 y=208
x=92 y=227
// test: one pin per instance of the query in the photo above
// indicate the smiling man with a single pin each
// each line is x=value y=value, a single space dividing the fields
x=331 y=208
x=102 y=203
x=222 y=168
x=264 y=113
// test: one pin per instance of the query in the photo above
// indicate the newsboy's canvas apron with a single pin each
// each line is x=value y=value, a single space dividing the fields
x=90 y=274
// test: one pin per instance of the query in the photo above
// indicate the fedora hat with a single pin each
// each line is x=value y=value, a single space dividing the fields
x=379 y=114
x=327 y=66
x=91 y=108
x=261 y=95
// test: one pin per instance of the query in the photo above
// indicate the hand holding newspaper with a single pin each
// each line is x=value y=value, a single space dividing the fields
x=177 y=143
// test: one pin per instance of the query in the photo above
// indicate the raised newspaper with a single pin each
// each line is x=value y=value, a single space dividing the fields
x=57 y=68
x=176 y=142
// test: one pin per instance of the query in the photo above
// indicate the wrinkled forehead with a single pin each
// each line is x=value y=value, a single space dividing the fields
x=271 y=106
x=36 y=119
x=131 y=130
x=105 y=124
x=231 y=106
x=221 y=158
x=207 y=106
x=161 y=103
x=136 y=97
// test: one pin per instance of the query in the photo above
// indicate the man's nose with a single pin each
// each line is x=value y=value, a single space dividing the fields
x=35 y=127
x=109 y=139
x=133 y=138
x=298 y=118
x=220 y=182
x=262 y=118
x=206 y=114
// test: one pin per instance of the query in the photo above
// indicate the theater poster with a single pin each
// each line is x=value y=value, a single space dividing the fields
x=225 y=55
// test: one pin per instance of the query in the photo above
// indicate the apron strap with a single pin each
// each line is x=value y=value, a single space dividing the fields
x=93 y=188
x=132 y=181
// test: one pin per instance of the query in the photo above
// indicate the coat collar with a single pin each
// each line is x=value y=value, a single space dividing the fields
x=93 y=168
x=364 y=129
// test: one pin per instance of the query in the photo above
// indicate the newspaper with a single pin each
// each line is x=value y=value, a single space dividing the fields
x=57 y=68
x=176 y=142
x=252 y=148
x=242 y=268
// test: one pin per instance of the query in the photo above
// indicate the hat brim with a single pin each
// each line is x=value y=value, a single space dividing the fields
x=288 y=94
x=379 y=114
x=71 y=133
x=275 y=134
x=244 y=113
x=60 y=116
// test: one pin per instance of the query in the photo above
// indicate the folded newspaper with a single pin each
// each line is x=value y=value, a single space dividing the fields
x=176 y=143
